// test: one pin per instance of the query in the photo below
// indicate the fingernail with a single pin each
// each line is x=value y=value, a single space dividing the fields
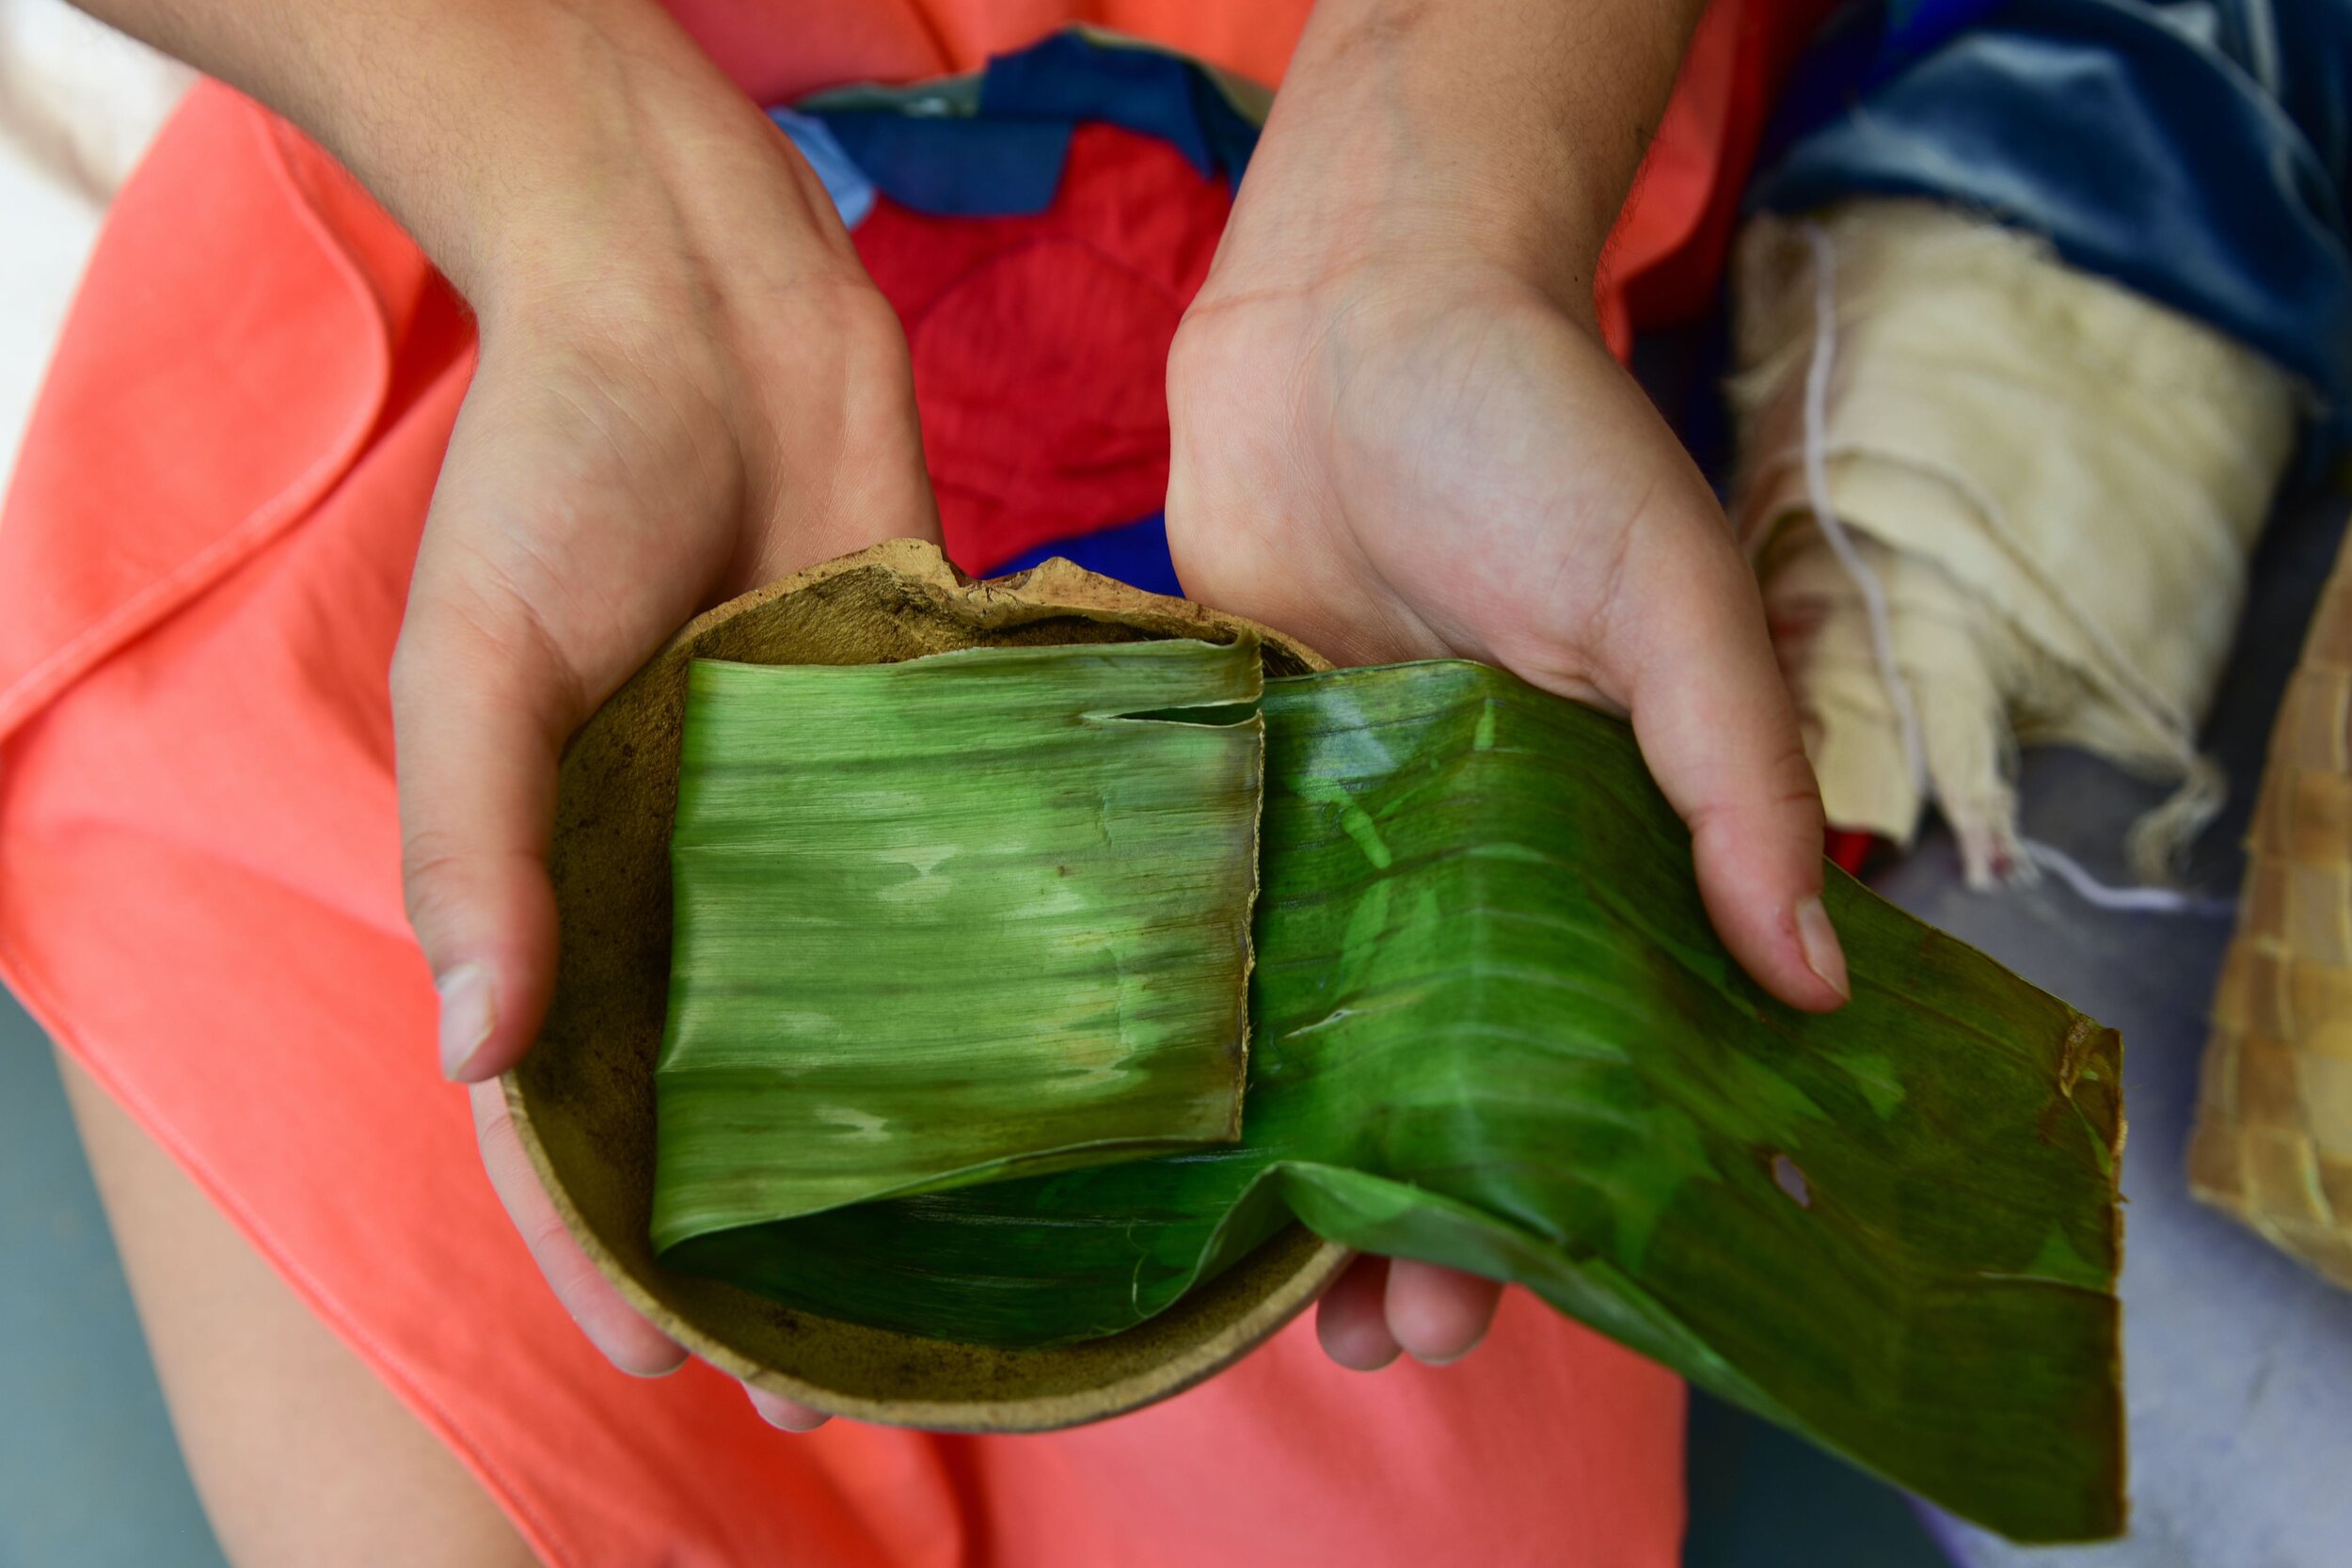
x=467 y=1011
x=1822 y=954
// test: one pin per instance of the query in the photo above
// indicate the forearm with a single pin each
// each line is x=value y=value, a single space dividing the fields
x=1505 y=130
x=500 y=135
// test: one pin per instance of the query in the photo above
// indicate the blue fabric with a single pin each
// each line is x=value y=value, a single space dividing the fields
x=1136 y=553
x=2198 y=153
x=1144 y=90
x=1913 y=27
x=1006 y=159
x=958 y=167
x=852 y=193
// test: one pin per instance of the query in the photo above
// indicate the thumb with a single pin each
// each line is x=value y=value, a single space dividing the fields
x=481 y=705
x=1718 y=729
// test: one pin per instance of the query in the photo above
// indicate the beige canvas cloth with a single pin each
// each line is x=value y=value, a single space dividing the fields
x=2057 y=481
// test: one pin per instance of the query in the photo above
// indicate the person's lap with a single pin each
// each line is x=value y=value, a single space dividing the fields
x=302 y=1457
x=1547 y=1447
x=199 y=899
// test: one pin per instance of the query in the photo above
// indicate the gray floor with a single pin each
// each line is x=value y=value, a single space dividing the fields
x=89 y=1476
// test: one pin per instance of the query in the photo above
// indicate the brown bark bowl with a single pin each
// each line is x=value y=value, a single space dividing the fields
x=583 y=1099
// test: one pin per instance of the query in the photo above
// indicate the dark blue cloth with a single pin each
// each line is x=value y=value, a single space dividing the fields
x=1136 y=553
x=959 y=167
x=1147 y=91
x=1006 y=160
x=2199 y=154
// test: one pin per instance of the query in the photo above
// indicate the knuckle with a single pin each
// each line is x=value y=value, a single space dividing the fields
x=430 y=869
x=566 y=1267
x=1780 y=800
x=495 y=1134
x=491 y=613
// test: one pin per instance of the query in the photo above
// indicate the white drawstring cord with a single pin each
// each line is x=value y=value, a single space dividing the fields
x=2147 y=900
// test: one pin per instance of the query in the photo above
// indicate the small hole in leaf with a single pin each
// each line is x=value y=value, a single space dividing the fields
x=1789 y=1180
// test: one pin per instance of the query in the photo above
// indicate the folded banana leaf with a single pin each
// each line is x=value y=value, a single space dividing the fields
x=1495 y=1030
x=1016 y=905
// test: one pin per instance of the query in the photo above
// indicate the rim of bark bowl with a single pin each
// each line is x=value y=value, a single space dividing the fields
x=583 y=1099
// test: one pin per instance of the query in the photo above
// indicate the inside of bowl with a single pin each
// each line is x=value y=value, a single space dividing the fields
x=584 y=1096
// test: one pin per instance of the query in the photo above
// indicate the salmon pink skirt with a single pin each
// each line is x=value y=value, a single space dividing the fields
x=202 y=569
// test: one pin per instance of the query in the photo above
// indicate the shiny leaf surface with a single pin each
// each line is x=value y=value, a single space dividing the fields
x=1494 y=1029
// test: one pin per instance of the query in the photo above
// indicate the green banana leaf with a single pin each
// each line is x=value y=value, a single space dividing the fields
x=974 y=991
x=1494 y=1029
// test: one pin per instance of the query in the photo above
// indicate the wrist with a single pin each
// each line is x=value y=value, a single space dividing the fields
x=540 y=148
x=1486 y=134
x=527 y=138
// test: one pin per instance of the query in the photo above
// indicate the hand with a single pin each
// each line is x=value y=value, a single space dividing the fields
x=687 y=386
x=1407 y=466
x=1397 y=435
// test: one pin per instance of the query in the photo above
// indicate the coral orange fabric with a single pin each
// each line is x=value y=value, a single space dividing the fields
x=202 y=568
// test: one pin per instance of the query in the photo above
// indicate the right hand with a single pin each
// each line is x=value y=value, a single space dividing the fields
x=687 y=386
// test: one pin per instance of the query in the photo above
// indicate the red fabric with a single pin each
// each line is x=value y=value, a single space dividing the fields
x=1041 y=343
x=202 y=568
x=1851 y=851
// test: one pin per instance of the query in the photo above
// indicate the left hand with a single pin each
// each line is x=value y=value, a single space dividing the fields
x=1396 y=435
